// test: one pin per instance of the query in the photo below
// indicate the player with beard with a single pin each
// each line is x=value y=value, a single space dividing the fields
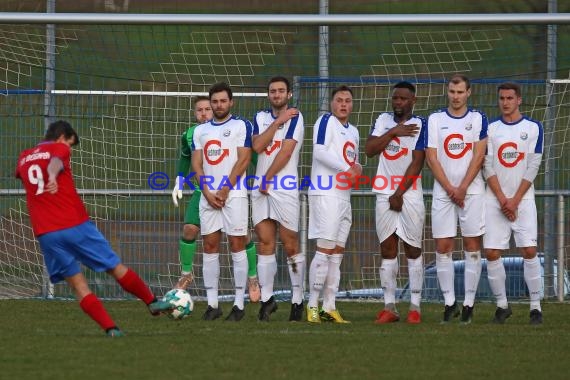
x=222 y=152
x=277 y=138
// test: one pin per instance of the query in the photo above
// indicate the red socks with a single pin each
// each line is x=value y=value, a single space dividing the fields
x=133 y=284
x=93 y=307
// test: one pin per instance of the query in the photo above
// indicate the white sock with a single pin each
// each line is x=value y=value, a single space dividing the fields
x=297 y=277
x=416 y=274
x=472 y=276
x=532 y=277
x=446 y=276
x=266 y=270
x=240 y=276
x=211 y=272
x=332 y=282
x=317 y=277
x=497 y=277
x=388 y=273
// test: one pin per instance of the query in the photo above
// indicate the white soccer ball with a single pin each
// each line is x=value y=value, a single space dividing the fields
x=182 y=302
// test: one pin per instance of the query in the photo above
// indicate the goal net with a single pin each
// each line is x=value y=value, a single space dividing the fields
x=128 y=91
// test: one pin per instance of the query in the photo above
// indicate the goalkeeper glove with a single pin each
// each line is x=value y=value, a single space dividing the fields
x=177 y=191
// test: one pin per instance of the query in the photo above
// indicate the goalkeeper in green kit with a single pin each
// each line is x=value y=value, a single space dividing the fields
x=187 y=245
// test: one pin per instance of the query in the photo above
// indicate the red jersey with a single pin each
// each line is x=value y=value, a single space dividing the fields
x=50 y=212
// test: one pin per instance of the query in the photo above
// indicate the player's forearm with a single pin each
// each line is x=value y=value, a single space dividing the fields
x=54 y=167
x=329 y=160
x=521 y=191
x=475 y=165
x=437 y=170
x=278 y=163
x=239 y=167
x=412 y=175
x=493 y=183
x=197 y=167
x=261 y=141
x=376 y=144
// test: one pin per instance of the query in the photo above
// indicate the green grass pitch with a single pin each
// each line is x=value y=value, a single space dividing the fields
x=55 y=340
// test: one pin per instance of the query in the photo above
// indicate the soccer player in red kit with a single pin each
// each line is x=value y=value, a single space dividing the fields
x=66 y=235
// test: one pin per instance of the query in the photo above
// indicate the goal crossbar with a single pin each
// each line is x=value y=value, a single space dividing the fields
x=286 y=19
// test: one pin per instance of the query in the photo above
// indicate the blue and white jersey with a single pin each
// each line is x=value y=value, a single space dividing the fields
x=293 y=129
x=454 y=137
x=397 y=156
x=219 y=143
x=510 y=144
x=341 y=143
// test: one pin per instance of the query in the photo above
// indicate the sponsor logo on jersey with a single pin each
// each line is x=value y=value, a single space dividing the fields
x=272 y=147
x=524 y=136
x=394 y=150
x=227 y=132
x=455 y=147
x=349 y=153
x=213 y=152
x=468 y=127
x=508 y=155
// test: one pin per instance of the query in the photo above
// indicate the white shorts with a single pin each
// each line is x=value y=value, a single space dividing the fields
x=444 y=215
x=231 y=219
x=329 y=218
x=524 y=227
x=282 y=207
x=408 y=224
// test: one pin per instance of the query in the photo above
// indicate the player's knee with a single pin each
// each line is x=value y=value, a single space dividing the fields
x=492 y=254
x=412 y=252
x=291 y=248
x=190 y=232
x=237 y=243
x=529 y=253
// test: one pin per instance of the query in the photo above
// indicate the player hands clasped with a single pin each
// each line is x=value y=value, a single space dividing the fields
x=187 y=244
x=335 y=150
x=277 y=138
x=222 y=151
x=457 y=138
x=399 y=139
x=514 y=153
x=66 y=236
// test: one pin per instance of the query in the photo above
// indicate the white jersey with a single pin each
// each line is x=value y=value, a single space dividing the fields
x=397 y=156
x=292 y=129
x=509 y=144
x=453 y=137
x=341 y=142
x=219 y=143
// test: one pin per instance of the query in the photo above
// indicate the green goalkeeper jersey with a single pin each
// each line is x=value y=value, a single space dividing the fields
x=185 y=159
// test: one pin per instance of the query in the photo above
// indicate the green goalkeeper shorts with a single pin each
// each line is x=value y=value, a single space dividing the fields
x=192 y=215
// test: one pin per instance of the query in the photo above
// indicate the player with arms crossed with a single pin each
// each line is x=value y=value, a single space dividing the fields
x=222 y=152
x=187 y=244
x=66 y=235
x=399 y=138
x=514 y=153
x=457 y=138
x=277 y=138
x=335 y=153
